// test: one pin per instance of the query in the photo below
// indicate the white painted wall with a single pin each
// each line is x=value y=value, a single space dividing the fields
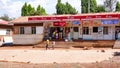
x=110 y=35
x=27 y=39
x=87 y=37
x=101 y=36
x=3 y=31
x=39 y=30
x=27 y=30
x=76 y=35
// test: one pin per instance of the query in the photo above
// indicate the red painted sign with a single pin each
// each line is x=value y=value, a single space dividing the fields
x=82 y=16
x=62 y=23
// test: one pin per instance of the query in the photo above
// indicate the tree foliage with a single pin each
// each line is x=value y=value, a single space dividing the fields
x=28 y=10
x=6 y=17
x=110 y=5
x=118 y=6
x=100 y=8
x=65 y=8
x=93 y=6
x=40 y=10
x=24 y=11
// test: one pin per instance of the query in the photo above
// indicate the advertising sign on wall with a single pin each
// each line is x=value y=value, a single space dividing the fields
x=109 y=21
x=62 y=23
x=76 y=22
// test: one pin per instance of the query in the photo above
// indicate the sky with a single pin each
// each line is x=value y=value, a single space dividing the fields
x=13 y=7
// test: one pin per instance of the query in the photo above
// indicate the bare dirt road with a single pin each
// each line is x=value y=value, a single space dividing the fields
x=28 y=57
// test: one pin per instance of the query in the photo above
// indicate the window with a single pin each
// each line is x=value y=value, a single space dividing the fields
x=85 y=30
x=33 y=30
x=8 y=32
x=75 y=29
x=21 y=30
x=105 y=30
x=95 y=29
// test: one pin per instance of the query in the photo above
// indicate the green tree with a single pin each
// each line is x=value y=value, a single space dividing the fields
x=6 y=17
x=118 y=6
x=28 y=10
x=100 y=8
x=40 y=10
x=70 y=9
x=85 y=6
x=65 y=8
x=32 y=12
x=59 y=7
x=24 y=11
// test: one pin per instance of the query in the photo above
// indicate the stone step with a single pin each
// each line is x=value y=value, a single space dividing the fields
x=117 y=44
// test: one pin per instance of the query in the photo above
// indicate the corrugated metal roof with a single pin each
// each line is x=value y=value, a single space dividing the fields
x=3 y=22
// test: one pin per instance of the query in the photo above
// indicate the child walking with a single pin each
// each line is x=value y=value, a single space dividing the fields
x=47 y=43
x=53 y=44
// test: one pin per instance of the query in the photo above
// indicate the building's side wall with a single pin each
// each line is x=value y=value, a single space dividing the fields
x=27 y=39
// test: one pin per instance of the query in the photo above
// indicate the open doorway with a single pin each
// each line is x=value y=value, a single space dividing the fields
x=56 y=33
x=117 y=32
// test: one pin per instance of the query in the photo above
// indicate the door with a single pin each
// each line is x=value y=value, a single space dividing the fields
x=117 y=32
x=75 y=32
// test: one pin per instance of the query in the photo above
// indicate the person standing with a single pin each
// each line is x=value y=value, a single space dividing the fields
x=53 y=44
x=47 y=43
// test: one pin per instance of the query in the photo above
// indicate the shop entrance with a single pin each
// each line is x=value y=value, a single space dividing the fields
x=56 y=33
x=117 y=32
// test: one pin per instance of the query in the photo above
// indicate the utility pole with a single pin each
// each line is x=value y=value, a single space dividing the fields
x=88 y=6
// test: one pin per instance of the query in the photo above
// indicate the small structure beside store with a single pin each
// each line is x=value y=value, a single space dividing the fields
x=27 y=32
x=6 y=32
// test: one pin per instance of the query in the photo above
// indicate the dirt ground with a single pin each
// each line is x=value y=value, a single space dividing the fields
x=111 y=63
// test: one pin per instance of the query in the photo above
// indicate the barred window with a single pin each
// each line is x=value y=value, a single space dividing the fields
x=75 y=29
x=33 y=30
x=95 y=29
x=105 y=30
x=22 y=30
x=85 y=30
x=8 y=32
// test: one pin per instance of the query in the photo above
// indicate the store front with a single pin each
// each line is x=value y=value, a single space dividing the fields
x=61 y=30
x=102 y=29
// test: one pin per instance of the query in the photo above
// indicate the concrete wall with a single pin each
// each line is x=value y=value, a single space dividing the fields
x=101 y=36
x=3 y=31
x=27 y=39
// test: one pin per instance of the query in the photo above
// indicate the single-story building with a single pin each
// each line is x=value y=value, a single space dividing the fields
x=96 y=26
x=5 y=32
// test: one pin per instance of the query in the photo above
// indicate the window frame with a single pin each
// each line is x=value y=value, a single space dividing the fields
x=22 y=30
x=85 y=30
x=105 y=30
x=95 y=30
x=76 y=29
x=33 y=30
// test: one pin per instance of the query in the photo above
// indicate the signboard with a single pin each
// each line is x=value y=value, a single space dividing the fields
x=109 y=21
x=76 y=22
x=69 y=17
x=62 y=23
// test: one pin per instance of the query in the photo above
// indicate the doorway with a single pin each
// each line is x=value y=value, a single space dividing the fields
x=56 y=33
x=117 y=32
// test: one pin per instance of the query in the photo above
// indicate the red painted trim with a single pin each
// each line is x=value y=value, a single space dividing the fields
x=82 y=16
